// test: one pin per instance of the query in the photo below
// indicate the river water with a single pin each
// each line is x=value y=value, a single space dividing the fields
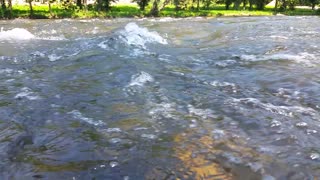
x=195 y=98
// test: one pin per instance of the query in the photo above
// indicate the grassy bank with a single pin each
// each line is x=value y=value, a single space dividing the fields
x=42 y=12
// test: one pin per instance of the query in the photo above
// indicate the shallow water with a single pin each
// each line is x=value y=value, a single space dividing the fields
x=195 y=98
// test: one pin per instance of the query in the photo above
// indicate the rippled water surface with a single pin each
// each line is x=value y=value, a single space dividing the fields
x=226 y=98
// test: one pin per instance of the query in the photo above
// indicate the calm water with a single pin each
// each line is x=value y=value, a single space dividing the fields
x=226 y=98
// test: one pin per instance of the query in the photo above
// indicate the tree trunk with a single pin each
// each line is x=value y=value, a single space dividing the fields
x=85 y=5
x=79 y=3
x=165 y=3
x=198 y=4
x=244 y=4
x=31 y=9
x=3 y=4
x=176 y=4
x=276 y=6
x=154 y=10
x=50 y=9
x=236 y=5
x=10 y=9
x=228 y=3
x=284 y=5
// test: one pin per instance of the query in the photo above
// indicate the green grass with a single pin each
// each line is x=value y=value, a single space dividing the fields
x=42 y=12
x=213 y=12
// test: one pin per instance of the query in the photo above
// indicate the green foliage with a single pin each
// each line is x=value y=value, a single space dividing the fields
x=59 y=11
x=142 y=3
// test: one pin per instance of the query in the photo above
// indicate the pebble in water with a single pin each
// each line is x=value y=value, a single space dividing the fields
x=193 y=124
x=301 y=124
x=113 y=164
x=218 y=133
x=311 y=131
x=113 y=130
x=314 y=156
x=115 y=140
x=268 y=177
x=148 y=136
x=275 y=123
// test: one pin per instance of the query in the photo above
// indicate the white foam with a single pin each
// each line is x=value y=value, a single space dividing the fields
x=54 y=57
x=224 y=85
x=27 y=93
x=103 y=45
x=164 y=19
x=203 y=113
x=78 y=115
x=279 y=37
x=289 y=94
x=225 y=63
x=110 y=130
x=140 y=79
x=53 y=38
x=149 y=136
x=166 y=110
x=10 y=71
x=137 y=36
x=282 y=110
x=303 y=58
x=16 y=34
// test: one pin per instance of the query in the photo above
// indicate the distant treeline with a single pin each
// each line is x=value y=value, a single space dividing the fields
x=154 y=7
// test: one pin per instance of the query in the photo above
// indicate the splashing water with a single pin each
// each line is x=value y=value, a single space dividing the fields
x=16 y=34
x=137 y=36
x=194 y=98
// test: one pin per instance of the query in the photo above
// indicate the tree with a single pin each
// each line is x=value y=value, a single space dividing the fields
x=244 y=2
x=10 y=9
x=104 y=4
x=260 y=4
x=31 y=9
x=251 y=3
x=236 y=4
x=142 y=3
x=50 y=9
x=313 y=3
x=3 y=4
x=276 y=6
x=292 y=4
x=79 y=3
x=155 y=9
x=228 y=3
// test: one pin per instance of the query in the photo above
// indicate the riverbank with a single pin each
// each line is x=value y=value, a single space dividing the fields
x=42 y=12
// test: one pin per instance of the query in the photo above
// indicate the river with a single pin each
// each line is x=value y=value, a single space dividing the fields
x=193 y=98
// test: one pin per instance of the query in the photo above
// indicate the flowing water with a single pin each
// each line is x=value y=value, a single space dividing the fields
x=195 y=98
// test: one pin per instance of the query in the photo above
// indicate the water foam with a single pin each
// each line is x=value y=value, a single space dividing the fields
x=27 y=93
x=10 y=71
x=137 y=36
x=54 y=57
x=140 y=79
x=53 y=38
x=289 y=94
x=16 y=34
x=306 y=59
x=78 y=115
x=225 y=63
x=203 y=113
x=282 y=110
x=232 y=86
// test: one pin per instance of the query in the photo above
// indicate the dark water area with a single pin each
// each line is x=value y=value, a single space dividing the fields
x=194 y=98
